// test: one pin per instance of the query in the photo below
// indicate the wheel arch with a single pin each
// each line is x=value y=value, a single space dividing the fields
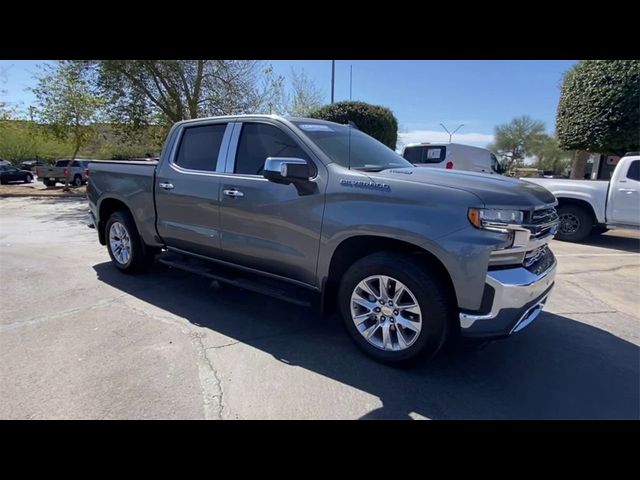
x=356 y=247
x=580 y=203
x=105 y=210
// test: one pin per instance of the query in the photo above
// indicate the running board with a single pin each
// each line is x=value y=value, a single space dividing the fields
x=271 y=288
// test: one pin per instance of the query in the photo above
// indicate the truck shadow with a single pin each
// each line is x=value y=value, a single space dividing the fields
x=624 y=242
x=557 y=369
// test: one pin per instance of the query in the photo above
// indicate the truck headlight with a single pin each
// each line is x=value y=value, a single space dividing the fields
x=494 y=219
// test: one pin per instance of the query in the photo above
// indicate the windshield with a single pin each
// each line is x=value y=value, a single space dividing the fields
x=495 y=165
x=363 y=153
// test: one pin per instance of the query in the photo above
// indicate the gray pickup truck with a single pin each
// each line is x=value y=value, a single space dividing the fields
x=74 y=170
x=316 y=212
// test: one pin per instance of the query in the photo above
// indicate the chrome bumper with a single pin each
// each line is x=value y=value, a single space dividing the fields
x=518 y=298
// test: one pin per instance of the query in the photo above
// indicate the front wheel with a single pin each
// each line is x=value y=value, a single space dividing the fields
x=394 y=308
x=575 y=223
x=124 y=244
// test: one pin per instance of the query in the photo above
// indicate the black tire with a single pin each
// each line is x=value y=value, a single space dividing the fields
x=599 y=230
x=428 y=291
x=28 y=179
x=3 y=182
x=77 y=181
x=141 y=257
x=48 y=183
x=575 y=223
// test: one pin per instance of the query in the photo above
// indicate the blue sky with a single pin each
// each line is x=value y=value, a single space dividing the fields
x=421 y=93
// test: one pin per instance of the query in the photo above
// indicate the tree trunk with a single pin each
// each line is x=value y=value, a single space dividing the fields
x=66 y=177
x=579 y=164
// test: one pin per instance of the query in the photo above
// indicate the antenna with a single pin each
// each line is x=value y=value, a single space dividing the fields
x=451 y=133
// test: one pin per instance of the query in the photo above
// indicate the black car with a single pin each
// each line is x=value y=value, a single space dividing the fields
x=9 y=173
x=32 y=164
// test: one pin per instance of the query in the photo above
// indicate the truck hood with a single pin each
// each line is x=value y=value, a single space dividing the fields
x=493 y=190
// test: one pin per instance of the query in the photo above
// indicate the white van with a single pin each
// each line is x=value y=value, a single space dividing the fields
x=452 y=156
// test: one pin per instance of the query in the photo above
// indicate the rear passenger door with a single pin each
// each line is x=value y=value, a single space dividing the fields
x=186 y=188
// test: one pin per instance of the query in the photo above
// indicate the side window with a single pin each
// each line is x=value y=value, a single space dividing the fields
x=634 y=171
x=199 y=147
x=413 y=154
x=259 y=141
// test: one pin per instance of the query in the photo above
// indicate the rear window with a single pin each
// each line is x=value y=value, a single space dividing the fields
x=634 y=171
x=62 y=163
x=200 y=146
x=425 y=154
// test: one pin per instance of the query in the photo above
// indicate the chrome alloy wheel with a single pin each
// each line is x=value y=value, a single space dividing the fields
x=120 y=243
x=386 y=313
x=569 y=223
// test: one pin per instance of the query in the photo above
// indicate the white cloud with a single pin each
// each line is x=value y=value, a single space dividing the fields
x=435 y=136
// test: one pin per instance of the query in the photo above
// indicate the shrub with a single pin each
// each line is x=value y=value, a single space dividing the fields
x=374 y=120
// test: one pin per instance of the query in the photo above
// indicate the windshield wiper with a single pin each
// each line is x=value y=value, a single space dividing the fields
x=370 y=169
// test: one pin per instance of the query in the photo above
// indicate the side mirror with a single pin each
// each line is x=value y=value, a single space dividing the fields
x=286 y=170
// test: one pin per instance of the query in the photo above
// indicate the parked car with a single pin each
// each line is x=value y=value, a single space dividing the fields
x=75 y=170
x=31 y=165
x=312 y=211
x=452 y=156
x=595 y=206
x=4 y=162
x=9 y=173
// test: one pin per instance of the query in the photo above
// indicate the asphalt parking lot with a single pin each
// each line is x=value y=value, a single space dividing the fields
x=81 y=340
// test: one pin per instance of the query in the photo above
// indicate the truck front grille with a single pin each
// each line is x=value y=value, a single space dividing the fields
x=538 y=260
x=543 y=222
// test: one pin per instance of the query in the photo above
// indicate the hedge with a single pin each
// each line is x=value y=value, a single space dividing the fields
x=374 y=120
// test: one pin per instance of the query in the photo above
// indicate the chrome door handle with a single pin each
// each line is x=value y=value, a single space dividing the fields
x=166 y=185
x=626 y=190
x=233 y=193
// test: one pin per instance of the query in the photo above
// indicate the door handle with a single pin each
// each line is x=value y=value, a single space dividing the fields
x=233 y=193
x=166 y=185
x=626 y=190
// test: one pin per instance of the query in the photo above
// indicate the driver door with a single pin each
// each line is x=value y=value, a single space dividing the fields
x=264 y=225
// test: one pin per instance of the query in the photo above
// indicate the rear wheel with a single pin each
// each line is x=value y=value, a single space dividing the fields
x=124 y=244
x=49 y=183
x=575 y=223
x=77 y=181
x=28 y=179
x=394 y=308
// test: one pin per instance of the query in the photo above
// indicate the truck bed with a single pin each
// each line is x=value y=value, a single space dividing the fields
x=132 y=182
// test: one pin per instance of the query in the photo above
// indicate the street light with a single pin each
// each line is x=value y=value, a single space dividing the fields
x=451 y=133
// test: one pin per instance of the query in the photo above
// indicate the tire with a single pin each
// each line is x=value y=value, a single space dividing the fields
x=140 y=257
x=424 y=287
x=575 y=223
x=77 y=181
x=48 y=183
x=599 y=230
x=3 y=182
x=28 y=179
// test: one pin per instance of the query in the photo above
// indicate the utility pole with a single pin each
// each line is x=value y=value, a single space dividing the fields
x=451 y=133
x=350 y=81
x=333 y=78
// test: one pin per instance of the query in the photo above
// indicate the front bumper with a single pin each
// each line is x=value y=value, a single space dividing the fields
x=518 y=298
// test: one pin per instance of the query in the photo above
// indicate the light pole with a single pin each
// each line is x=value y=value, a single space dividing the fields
x=333 y=77
x=451 y=133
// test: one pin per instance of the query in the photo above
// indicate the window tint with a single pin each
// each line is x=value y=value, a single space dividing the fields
x=259 y=141
x=425 y=154
x=634 y=171
x=199 y=147
x=413 y=154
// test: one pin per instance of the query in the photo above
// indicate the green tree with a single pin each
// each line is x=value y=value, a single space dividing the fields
x=599 y=109
x=374 y=120
x=517 y=139
x=306 y=96
x=549 y=154
x=144 y=92
x=67 y=107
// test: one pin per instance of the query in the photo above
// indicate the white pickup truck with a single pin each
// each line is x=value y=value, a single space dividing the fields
x=594 y=206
